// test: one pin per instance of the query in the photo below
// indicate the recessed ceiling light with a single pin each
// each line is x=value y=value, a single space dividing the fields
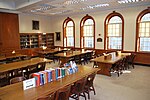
x=95 y=6
x=43 y=7
x=128 y=1
x=60 y=12
x=69 y=2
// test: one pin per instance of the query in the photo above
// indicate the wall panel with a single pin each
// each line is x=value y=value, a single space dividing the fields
x=9 y=31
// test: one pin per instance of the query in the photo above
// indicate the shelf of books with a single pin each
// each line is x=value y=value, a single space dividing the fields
x=36 y=40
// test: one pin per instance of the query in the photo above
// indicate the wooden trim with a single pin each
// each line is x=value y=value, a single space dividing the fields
x=138 y=20
x=64 y=30
x=106 y=28
x=81 y=28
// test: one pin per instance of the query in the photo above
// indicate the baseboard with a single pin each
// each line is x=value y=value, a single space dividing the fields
x=142 y=64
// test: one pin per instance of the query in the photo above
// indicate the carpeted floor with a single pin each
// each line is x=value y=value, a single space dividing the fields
x=133 y=84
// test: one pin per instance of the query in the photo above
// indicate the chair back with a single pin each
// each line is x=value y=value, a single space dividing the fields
x=80 y=85
x=32 y=68
x=132 y=57
x=17 y=79
x=63 y=94
x=41 y=66
x=4 y=78
x=90 y=79
x=48 y=97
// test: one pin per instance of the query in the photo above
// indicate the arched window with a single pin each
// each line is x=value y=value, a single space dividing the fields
x=114 y=31
x=68 y=33
x=143 y=31
x=87 y=32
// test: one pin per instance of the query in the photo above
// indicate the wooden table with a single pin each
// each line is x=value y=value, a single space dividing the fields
x=16 y=92
x=21 y=64
x=64 y=57
x=105 y=64
x=12 y=56
x=49 y=52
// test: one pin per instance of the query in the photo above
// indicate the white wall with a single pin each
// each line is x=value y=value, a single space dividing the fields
x=25 y=23
x=129 y=15
x=55 y=24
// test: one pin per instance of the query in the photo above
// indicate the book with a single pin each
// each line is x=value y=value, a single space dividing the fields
x=41 y=78
x=53 y=74
x=37 y=78
x=45 y=76
x=49 y=75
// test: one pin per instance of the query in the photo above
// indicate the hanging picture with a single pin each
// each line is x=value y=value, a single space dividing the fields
x=58 y=36
x=35 y=25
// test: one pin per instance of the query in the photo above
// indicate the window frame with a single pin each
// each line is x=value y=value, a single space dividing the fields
x=138 y=21
x=107 y=19
x=81 y=31
x=64 y=31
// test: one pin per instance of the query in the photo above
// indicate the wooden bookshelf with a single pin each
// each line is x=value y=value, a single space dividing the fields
x=36 y=40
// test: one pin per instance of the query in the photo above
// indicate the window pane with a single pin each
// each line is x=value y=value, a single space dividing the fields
x=88 y=33
x=144 y=44
x=70 y=23
x=88 y=42
x=146 y=17
x=115 y=19
x=144 y=29
x=89 y=22
x=115 y=42
x=70 y=41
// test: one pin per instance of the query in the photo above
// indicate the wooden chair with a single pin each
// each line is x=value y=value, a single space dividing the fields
x=117 y=68
x=83 y=59
x=48 y=97
x=89 y=56
x=17 y=79
x=16 y=72
x=77 y=59
x=131 y=60
x=78 y=89
x=41 y=66
x=63 y=94
x=4 y=78
x=31 y=69
x=95 y=63
x=89 y=84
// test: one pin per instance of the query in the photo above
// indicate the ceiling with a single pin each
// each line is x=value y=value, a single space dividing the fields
x=65 y=7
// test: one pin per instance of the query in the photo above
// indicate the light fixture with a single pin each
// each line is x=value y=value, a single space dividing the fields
x=60 y=12
x=69 y=2
x=95 y=6
x=43 y=7
x=128 y=1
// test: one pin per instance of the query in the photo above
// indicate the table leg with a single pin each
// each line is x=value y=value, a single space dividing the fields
x=104 y=69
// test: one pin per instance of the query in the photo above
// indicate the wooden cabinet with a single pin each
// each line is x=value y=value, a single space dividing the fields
x=36 y=40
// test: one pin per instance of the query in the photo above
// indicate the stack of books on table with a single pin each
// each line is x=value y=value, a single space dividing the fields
x=46 y=76
x=71 y=67
x=49 y=75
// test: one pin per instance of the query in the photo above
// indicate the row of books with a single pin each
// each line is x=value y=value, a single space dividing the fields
x=50 y=75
